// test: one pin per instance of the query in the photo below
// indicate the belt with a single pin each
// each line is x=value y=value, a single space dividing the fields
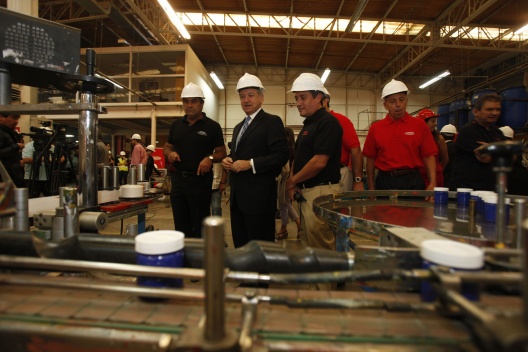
x=185 y=173
x=400 y=172
x=304 y=185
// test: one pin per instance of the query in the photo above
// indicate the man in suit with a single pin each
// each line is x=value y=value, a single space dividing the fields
x=258 y=152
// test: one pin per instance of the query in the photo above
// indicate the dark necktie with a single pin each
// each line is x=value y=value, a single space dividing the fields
x=243 y=129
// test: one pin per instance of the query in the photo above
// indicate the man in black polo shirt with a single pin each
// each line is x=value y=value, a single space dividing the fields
x=471 y=169
x=194 y=144
x=316 y=167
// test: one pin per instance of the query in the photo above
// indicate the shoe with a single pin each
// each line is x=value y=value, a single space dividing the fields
x=299 y=233
x=281 y=235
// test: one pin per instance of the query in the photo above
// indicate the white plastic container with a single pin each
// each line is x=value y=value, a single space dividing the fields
x=456 y=256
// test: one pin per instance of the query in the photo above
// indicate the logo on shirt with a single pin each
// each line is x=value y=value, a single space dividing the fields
x=409 y=133
x=202 y=133
x=305 y=133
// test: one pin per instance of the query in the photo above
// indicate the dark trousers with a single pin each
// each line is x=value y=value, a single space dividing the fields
x=123 y=177
x=248 y=227
x=412 y=180
x=38 y=188
x=190 y=200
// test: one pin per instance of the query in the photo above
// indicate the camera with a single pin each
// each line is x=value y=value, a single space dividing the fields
x=298 y=197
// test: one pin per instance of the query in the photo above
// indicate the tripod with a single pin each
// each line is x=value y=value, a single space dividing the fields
x=61 y=155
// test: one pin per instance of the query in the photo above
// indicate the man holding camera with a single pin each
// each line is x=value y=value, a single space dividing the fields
x=316 y=167
x=11 y=145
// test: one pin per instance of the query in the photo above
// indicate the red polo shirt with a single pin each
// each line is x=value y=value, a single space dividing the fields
x=397 y=144
x=350 y=139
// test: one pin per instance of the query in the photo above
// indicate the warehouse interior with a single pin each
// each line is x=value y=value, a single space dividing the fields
x=65 y=290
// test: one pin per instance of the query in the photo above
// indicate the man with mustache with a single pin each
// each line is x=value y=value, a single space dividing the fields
x=195 y=142
x=399 y=145
x=316 y=166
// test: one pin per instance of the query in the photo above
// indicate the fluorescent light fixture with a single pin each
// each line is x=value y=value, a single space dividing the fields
x=173 y=17
x=217 y=80
x=69 y=136
x=437 y=78
x=325 y=75
x=521 y=30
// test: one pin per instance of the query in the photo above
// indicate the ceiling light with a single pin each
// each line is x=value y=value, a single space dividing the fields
x=325 y=75
x=217 y=80
x=173 y=17
x=521 y=30
x=437 y=78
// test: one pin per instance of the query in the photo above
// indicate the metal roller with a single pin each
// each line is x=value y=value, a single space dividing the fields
x=92 y=221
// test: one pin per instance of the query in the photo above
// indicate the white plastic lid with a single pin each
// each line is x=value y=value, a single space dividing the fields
x=159 y=242
x=492 y=199
x=452 y=254
x=465 y=190
x=441 y=189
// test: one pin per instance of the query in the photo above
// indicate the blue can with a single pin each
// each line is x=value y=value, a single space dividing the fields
x=457 y=257
x=463 y=195
x=441 y=195
x=162 y=249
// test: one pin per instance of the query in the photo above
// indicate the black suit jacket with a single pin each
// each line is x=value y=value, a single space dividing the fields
x=265 y=142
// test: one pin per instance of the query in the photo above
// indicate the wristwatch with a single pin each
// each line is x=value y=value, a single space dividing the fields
x=211 y=157
x=357 y=179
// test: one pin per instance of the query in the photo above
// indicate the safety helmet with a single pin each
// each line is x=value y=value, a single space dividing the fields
x=151 y=148
x=136 y=137
x=449 y=128
x=507 y=131
x=425 y=114
x=192 y=90
x=249 y=81
x=308 y=81
x=326 y=92
x=122 y=153
x=394 y=87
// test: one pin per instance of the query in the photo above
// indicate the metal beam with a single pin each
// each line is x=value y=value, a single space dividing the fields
x=371 y=34
x=209 y=23
x=334 y=23
x=460 y=12
x=515 y=47
x=142 y=14
x=248 y=27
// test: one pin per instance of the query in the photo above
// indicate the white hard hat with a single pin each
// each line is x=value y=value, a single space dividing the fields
x=308 y=81
x=507 y=131
x=249 y=81
x=192 y=90
x=326 y=92
x=151 y=147
x=136 y=136
x=394 y=87
x=122 y=153
x=449 y=128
